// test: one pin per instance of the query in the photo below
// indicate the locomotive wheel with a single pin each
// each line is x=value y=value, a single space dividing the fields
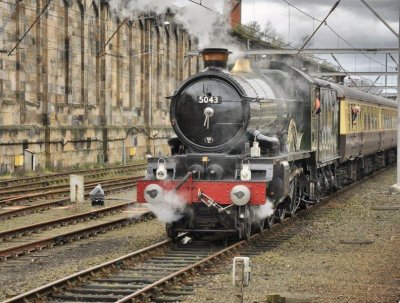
x=246 y=224
x=294 y=198
x=260 y=225
x=170 y=229
x=280 y=214
x=246 y=229
x=304 y=205
x=270 y=220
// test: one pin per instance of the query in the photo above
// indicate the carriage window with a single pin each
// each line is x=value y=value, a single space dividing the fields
x=355 y=112
x=370 y=126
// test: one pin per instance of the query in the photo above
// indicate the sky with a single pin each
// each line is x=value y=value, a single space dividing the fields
x=352 y=20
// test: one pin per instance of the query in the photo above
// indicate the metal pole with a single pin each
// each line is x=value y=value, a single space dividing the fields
x=380 y=18
x=289 y=26
x=150 y=75
x=395 y=189
x=398 y=113
x=386 y=71
x=322 y=22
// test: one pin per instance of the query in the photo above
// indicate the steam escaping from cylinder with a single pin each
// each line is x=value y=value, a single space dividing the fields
x=208 y=22
x=263 y=211
x=171 y=209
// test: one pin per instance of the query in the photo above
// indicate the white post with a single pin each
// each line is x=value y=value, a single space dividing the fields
x=123 y=153
x=240 y=277
x=76 y=183
x=395 y=189
x=398 y=113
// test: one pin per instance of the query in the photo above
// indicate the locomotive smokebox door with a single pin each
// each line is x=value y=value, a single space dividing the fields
x=97 y=196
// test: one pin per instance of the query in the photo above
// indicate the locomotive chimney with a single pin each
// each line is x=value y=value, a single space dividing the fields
x=215 y=57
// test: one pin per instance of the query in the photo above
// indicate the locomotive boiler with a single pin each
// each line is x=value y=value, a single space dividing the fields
x=253 y=145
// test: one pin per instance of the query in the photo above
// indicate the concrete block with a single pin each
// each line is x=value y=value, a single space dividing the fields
x=394 y=189
x=76 y=183
x=288 y=298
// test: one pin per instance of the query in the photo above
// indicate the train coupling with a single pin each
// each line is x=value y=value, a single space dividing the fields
x=211 y=203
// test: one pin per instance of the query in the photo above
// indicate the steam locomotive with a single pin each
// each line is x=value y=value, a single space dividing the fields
x=253 y=145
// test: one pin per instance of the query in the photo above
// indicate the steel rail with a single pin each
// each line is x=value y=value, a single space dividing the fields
x=65 y=175
x=177 y=276
x=58 y=186
x=59 y=239
x=62 y=190
x=61 y=202
x=46 y=184
x=89 y=273
x=155 y=288
x=90 y=215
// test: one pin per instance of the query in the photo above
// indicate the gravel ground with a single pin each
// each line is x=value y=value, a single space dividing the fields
x=322 y=263
x=34 y=270
x=40 y=268
x=317 y=263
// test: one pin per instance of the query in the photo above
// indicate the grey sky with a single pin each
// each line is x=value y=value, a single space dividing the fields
x=351 y=20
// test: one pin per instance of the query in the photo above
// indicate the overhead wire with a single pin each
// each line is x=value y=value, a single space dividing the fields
x=74 y=37
x=108 y=30
x=112 y=31
x=263 y=34
x=373 y=84
x=319 y=26
x=394 y=60
x=28 y=30
x=336 y=33
x=62 y=30
x=9 y=16
x=347 y=74
x=199 y=3
x=244 y=25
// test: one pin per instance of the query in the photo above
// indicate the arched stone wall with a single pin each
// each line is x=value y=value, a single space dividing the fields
x=81 y=79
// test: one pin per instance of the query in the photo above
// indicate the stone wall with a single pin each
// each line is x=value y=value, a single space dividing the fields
x=80 y=85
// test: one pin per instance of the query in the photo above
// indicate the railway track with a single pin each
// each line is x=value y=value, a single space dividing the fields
x=162 y=272
x=111 y=186
x=56 y=188
x=57 y=178
x=12 y=248
x=63 y=190
x=35 y=228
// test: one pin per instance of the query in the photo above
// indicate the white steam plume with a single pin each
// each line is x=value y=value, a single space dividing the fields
x=211 y=27
x=171 y=209
x=263 y=211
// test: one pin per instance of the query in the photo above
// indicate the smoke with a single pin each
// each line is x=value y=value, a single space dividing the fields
x=263 y=211
x=171 y=209
x=209 y=26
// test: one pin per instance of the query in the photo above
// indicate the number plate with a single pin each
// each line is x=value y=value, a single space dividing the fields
x=209 y=99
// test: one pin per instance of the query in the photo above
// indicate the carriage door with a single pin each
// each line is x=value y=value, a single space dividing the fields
x=314 y=120
x=328 y=129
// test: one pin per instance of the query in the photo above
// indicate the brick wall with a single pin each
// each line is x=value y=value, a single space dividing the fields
x=236 y=13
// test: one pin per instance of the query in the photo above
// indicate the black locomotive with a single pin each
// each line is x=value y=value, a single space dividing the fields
x=256 y=144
